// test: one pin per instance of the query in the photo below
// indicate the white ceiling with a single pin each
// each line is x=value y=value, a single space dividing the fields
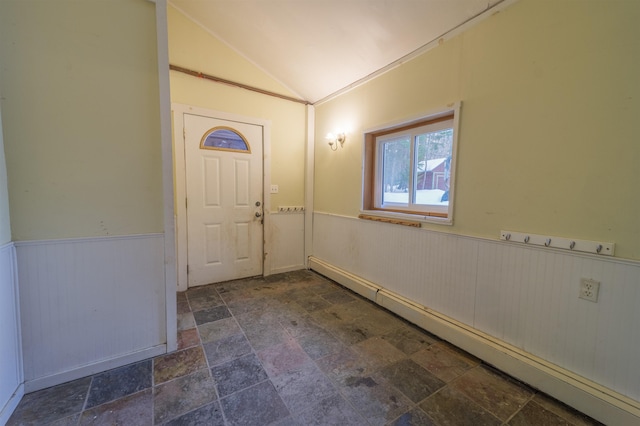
x=318 y=47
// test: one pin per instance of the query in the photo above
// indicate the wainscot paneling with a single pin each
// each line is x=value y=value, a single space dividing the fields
x=88 y=305
x=11 y=377
x=520 y=299
x=287 y=236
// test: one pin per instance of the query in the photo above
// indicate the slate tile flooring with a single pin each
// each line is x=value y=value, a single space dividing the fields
x=295 y=349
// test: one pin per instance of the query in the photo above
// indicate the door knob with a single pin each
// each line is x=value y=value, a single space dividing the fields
x=258 y=214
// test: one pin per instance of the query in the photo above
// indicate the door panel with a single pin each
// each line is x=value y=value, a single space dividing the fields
x=213 y=244
x=242 y=183
x=211 y=168
x=243 y=241
x=224 y=194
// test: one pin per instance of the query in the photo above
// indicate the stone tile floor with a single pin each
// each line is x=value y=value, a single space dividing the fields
x=295 y=349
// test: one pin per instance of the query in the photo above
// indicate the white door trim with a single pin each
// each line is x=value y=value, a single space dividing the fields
x=162 y=40
x=178 y=111
x=308 y=188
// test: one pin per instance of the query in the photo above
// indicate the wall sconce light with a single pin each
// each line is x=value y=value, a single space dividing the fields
x=336 y=139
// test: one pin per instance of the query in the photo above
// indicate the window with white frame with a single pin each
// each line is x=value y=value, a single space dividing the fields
x=409 y=168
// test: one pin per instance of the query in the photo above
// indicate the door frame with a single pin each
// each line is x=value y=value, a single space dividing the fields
x=178 y=111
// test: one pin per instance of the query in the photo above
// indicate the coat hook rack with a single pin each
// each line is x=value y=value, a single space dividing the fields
x=585 y=246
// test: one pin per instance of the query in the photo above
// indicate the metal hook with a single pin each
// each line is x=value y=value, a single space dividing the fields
x=507 y=237
x=547 y=242
x=572 y=244
x=598 y=248
x=526 y=239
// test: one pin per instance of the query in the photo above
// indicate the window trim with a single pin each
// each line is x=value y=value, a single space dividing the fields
x=371 y=159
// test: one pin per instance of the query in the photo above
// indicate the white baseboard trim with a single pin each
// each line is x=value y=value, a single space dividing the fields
x=601 y=403
x=11 y=405
x=94 y=368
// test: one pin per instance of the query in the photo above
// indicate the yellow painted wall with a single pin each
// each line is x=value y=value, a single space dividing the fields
x=192 y=47
x=5 y=223
x=549 y=138
x=79 y=92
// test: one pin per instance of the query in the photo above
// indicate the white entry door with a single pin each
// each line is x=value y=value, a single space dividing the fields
x=224 y=199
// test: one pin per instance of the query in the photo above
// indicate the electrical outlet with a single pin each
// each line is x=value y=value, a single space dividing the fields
x=274 y=189
x=589 y=289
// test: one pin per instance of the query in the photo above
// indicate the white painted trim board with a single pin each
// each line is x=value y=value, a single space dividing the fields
x=170 y=274
x=9 y=277
x=10 y=406
x=309 y=181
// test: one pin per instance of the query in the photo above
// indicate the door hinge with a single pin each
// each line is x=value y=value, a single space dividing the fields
x=185 y=202
x=187 y=269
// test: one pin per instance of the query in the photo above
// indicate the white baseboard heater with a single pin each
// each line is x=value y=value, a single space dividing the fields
x=595 y=400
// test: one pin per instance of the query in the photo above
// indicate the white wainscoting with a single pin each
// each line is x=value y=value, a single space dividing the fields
x=287 y=248
x=523 y=300
x=88 y=305
x=11 y=374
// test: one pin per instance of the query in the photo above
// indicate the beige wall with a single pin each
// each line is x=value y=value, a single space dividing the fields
x=5 y=223
x=192 y=47
x=549 y=126
x=80 y=98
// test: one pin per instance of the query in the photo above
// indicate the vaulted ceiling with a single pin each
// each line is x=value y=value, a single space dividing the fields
x=319 y=47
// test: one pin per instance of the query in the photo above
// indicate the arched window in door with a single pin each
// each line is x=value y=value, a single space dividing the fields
x=225 y=139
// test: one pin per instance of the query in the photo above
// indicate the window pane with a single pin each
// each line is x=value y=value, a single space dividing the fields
x=395 y=171
x=433 y=167
x=226 y=139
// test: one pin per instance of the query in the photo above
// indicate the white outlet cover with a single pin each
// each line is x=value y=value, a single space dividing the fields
x=274 y=189
x=589 y=289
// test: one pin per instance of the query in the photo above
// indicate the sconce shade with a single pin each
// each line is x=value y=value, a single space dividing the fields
x=339 y=138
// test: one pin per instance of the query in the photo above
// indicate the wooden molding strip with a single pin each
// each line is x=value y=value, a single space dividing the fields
x=235 y=84
x=390 y=220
